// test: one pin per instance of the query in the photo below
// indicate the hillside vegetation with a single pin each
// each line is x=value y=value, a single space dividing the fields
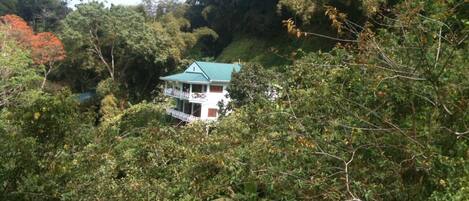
x=372 y=101
x=271 y=52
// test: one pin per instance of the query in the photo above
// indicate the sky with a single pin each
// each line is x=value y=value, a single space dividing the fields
x=72 y=3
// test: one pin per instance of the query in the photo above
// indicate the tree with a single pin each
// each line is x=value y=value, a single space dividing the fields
x=46 y=50
x=18 y=29
x=253 y=83
x=108 y=34
x=39 y=131
x=158 y=8
x=16 y=74
x=307 y=10
x=121 y=44
x=257 y=17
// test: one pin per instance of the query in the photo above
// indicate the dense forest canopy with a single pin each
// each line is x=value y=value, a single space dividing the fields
x=371 y=100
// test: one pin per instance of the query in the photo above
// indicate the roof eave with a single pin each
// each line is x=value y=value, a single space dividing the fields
x=225 y=81
x=187 y=81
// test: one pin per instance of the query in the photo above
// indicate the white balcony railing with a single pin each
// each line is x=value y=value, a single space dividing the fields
x=197 y=97
x=176 y=93
x=181 y=115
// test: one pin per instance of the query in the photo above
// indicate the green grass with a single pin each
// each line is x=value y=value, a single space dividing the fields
x=269 y=52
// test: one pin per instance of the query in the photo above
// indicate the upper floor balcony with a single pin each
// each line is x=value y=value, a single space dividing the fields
x=193 y=97
x=197 y=93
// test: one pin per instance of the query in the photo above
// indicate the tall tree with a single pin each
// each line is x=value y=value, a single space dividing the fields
x=17 y=28
x=46 y=48
x=16 y=74
x=109 y=34
x=119 y=43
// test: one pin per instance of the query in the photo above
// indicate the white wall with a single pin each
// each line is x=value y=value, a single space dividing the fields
x=212 y=101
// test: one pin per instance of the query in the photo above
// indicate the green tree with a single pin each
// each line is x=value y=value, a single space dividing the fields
x=109 y=108
x=39 y=133
x=107 y=35
x=252 y=84
x=119 y=43
x=16 y=72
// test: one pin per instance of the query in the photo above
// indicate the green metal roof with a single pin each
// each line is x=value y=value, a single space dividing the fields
x=218 y=71
x=209 y=72
x=187 y=77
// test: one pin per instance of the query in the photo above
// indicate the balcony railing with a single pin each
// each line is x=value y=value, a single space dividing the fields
x=176 y=93
x=198 y=97
x=181 y=115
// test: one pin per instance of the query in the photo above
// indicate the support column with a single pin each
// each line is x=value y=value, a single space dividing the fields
x=192 y=108
x=180 y=89
x=183 y=106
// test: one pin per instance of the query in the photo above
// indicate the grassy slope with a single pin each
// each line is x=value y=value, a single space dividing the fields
x=270 y=51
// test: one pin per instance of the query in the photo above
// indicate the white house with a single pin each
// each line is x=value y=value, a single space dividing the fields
x=198 y=90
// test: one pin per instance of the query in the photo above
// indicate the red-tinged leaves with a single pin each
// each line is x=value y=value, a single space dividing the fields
x=45 y=47
x=18 y=29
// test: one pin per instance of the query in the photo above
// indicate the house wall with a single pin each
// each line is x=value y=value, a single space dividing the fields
x=213 y=99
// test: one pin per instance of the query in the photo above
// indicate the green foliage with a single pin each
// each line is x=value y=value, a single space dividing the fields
x=380 y=118
x=125 y=46
x=310 y=11
x=140 y=116
x=45 y=117
x=253 y=50
x=134 y=120
x=109 y=108
x=107 y=87
x=228 y=17
x=16 y=72
x=120 y=46
x=270 y=52
x=252 y=84
x=117 y=27
x=37 y=139
x=169 y=26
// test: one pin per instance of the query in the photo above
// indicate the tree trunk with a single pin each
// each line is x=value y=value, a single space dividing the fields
x=46 y=73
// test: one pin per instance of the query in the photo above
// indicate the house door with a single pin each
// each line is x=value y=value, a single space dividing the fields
x=197 y=109
x=187 y=107
x=179 y=104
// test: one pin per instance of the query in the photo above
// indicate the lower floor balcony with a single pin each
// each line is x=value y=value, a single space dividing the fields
x=181 y=115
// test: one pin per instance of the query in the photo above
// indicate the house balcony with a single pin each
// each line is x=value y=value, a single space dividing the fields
x=181 y=115
x=192 y=97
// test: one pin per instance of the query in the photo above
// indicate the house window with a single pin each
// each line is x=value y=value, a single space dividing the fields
x=212 y=112
x=186 y=87
x=216 y=89
x=198 y=88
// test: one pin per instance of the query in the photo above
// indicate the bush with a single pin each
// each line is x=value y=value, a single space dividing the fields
x=106 y=87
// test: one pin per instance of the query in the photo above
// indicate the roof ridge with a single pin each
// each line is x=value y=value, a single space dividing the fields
x=204 y=73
